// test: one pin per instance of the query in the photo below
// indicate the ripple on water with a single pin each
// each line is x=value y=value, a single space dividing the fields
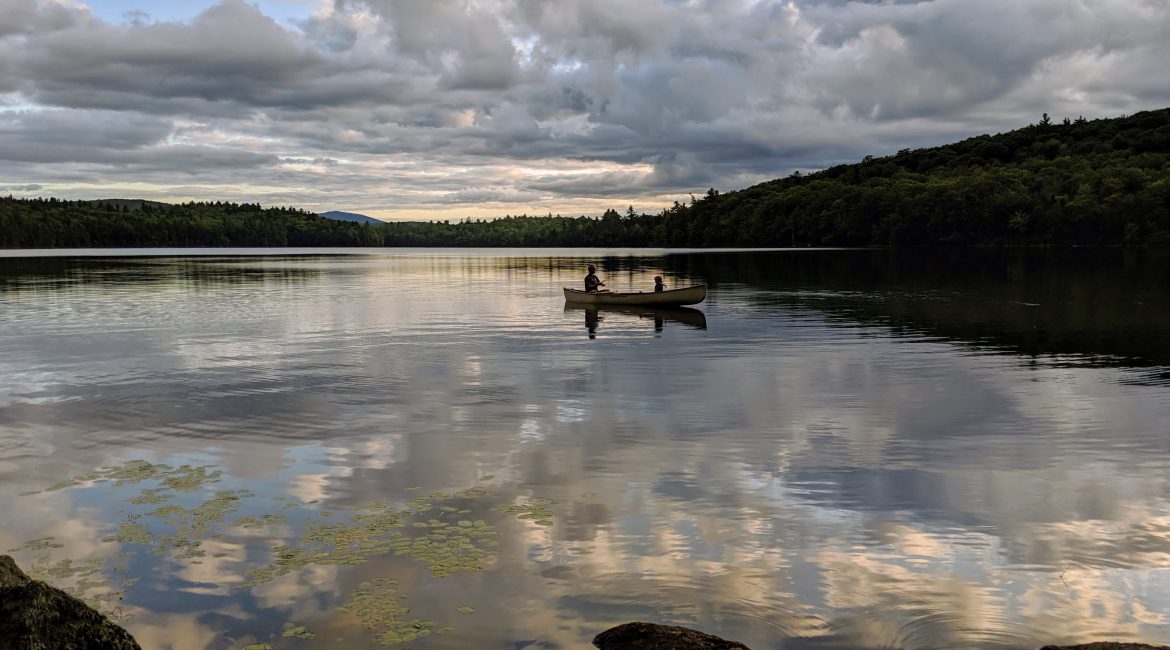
x=958 y=629
x=843 y=458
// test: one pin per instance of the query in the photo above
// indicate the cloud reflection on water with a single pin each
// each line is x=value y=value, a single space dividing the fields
x=774 y=476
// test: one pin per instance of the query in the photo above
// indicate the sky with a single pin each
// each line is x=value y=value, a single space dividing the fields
x=445 y=109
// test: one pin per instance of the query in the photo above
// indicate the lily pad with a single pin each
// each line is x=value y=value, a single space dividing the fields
x=298 y=631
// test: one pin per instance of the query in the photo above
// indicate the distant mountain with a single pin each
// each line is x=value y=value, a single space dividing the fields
x=349 y=216
x=132 y=204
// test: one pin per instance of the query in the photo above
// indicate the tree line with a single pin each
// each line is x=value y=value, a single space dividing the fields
x=1073 y=182
x=52 y=223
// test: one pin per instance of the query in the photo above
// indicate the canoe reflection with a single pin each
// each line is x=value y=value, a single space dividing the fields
x=595 y=314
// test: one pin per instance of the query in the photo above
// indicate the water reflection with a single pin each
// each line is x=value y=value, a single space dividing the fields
x=23 y=275
x=1058 y=307
x=658 y=316
x=860 y=454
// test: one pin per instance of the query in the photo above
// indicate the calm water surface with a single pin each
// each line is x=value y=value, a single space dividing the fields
x=838 y=449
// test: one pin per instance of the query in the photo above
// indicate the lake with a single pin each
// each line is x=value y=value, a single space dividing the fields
x=428 y=448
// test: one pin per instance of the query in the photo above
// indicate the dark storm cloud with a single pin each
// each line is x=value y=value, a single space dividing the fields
x=59 y=135
x=129 y=141
x=452 y=101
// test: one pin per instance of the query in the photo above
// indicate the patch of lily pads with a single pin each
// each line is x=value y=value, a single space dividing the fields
x=185 y=478
x=443 y=544
x=377 y=604
x=534 y=509
x=435 y=530
x=298 y=631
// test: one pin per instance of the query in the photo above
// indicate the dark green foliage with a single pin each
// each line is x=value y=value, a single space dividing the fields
x=50 y=223
x=1079 y=182
x=1072 y=182
x=612 y=229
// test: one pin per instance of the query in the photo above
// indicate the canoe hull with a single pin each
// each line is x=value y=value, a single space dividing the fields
x=685 y=296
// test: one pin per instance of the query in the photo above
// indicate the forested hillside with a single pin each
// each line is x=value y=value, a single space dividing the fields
x=50 y=223
x=1073 y=182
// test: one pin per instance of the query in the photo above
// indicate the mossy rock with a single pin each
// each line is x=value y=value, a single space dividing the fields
x=1107 y=645
x=649 y=636
x=37 y=616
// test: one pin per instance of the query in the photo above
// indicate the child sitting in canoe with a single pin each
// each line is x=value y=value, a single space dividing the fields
x=658 y=285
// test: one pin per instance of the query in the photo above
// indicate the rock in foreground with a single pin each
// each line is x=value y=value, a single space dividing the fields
x=648 y=636
x=36 y=616
x=1107 y=645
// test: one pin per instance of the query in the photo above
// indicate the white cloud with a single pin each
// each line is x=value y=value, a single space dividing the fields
x=451 y=94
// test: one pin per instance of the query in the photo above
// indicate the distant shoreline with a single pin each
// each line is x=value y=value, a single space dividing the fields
x=279 y=251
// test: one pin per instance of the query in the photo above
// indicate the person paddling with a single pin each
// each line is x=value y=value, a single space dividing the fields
x=592 y=282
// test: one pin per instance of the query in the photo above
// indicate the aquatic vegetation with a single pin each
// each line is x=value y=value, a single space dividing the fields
x=188 y=479
x=44 y=569
x=185 y=478
x=151 y=496
x=378 y=605
x=298 y=631
x=258 y=646
x=437 y=530
x=192 y=526
x=66 y=568
x=534 y=509
x=445 y=547
x=253 y=522
x=130 y=532
x=37 y=545
x=471 y=493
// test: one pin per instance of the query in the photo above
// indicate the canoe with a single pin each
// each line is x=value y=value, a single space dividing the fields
x=685 y=296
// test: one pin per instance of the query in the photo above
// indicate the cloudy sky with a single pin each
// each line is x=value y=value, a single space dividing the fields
x=453 y=108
